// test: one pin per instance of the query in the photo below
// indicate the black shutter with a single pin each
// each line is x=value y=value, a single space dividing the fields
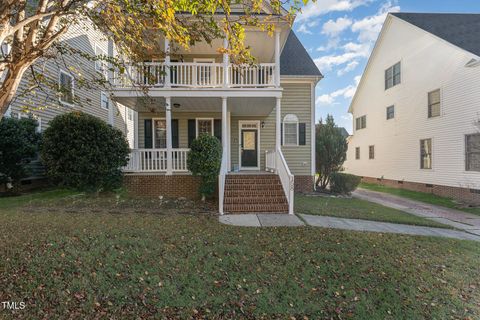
x=217 y=129
x=281 y=133
x=192 y=134
x=175 y=133
x=302 y=132
x=148 y=134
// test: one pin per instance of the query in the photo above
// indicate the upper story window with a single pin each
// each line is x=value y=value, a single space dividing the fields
x=426 y=154
x=434 y=103
x=204 y=126
x=361 y=122
x=290 y=130
x=104 y=101
x=472 y=152
x=357 y=153
x=65 y=86
x=393 y=76
x=390 y=112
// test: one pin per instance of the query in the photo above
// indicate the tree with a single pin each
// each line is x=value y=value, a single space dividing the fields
x=204 y=160
x=331 y=150
x=18 y=144
x=33 y=28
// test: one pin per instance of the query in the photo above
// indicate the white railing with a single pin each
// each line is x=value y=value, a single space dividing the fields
x=155 y=160
x=195 y=75
x=270 y=161
x=221 y=180
x=275 y=162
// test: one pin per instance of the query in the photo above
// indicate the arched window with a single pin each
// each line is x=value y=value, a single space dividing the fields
x=290 y=130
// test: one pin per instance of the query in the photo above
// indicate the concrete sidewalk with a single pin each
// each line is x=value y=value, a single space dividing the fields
x=455 y=218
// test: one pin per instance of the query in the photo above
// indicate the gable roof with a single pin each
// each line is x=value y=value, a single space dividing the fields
x=461 y=30
x=295 y=60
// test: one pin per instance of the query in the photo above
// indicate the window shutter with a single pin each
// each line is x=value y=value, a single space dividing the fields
x=148 y=136
x=302 y=134
x=174 y=133
x=217 y=129
x=192 y=134
x=281 y=133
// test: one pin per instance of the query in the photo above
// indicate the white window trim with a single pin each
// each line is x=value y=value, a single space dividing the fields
x=73 y=88
x=431 y=158
x=108 y=99
x=99 y=51
x=296 y=122
x=240 y=127
x=441 y=103
x=203 y=119
x=153 y=131
x=401 y=75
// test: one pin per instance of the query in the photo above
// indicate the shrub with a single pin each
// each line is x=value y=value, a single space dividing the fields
x=83 y=152
x=343 y=183
x=204 y=160
x=18 y=144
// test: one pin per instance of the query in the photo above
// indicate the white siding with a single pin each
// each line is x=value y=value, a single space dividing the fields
x=428 y=63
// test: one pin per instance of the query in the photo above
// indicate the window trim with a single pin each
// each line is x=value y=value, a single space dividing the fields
x=70 y=104
x=393 y=117
x=289 y=121
x=429 y=116
x=104 y=72
x=108 y=100
x=431 y=154
x=153 y=132
x=357 y=154
x=370 y=157
x=357 y=118
x=393 y=76
x=467 y=153
x=196 y=126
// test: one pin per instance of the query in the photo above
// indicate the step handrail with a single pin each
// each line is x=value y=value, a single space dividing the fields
x=286 y=177
x=221 y=181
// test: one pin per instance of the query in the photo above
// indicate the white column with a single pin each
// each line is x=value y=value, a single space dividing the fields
x=135 y=130
x=277 y=58
x=226 y=63
x=168 y=120
x=224 y=125
x=167 y=63
x=229 y=141
x=278 y=123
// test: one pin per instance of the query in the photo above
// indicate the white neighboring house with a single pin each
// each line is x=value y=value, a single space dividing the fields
x=416 y=111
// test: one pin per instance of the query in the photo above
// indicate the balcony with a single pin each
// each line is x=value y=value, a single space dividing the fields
x=197 y=75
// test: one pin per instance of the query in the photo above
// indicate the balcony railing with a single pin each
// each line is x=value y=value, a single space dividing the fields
x=155 y=160
x=196 y=75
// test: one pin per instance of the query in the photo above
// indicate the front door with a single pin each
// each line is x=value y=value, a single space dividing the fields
x=249 y=148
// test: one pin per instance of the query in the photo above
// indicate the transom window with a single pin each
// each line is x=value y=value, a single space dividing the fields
x=104 y=101
x=65 y=85
x=361 y=122
x=472 y=152
x=204 y=126
x=290 y=130
x=426 y=154
x=159 y=133
x=393 y=76
x=390 y=112
x=434 y=103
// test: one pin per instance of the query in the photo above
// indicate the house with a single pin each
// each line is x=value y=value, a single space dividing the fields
x=263 y=114
x=416 y=111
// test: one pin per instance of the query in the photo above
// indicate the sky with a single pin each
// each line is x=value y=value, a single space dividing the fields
x=340 y=35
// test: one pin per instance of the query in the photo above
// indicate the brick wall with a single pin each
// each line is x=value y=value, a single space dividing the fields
x=461 y=194
x=303 y=184
x=153 y=185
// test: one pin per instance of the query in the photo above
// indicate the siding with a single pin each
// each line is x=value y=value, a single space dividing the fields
x=427 y=64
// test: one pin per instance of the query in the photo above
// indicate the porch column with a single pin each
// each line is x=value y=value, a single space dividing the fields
x=229 y=141
x=167 y=63
x=224 y=125
x=226 y=62
x=277 y=58
x=278 y=119
x=135 y=129
x=168 y=120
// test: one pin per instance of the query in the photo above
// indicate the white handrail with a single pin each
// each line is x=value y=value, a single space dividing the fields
x=155 y=160
x=221 y=181
x=270 y=161
x=286 y=177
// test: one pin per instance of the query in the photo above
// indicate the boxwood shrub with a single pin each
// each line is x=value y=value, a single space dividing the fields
x=343 y=183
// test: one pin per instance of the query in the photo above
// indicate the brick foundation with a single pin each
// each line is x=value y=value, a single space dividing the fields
x=465 y=195
x=174 y=186
x=303 y=184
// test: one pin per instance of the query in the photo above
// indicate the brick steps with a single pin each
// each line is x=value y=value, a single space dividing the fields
x=254 y=193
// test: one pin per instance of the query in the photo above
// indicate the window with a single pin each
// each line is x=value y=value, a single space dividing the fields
x=426 y=154
x=472 y=150
x=434 y=103
x=390 y=112
x=104 y=101
x=100 y=64
x=393 y=76
x=159 y=133
x=357 y=153
x=371 y=152
x=204 y=126
x=361 y=122
x=290 y=130
x=65 y=84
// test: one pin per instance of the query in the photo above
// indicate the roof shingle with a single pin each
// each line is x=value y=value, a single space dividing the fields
x=295 y=60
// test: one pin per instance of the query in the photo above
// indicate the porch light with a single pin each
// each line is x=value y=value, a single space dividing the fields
x=263 y=124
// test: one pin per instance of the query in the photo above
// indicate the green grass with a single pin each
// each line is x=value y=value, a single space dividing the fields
x=420 y=196
x=66 y=263
x=357 y=209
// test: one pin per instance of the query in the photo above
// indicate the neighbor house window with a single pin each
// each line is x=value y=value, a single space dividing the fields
x=100 y=64
x=104 y=101
x=65 y=85
x=426 y=154
x=357 y=153
x=390 y=112
x=361 y=122
x=472 y=152
x=290 y=130
x=393 y=76
x=371 y=152
x=159 y=133
x=434 y=104
x=204 y=126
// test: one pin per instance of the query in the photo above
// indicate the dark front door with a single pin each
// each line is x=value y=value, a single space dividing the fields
x=249 y=148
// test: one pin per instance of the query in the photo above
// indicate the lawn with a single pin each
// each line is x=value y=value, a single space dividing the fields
x=357 y=209
x=65 y=260
x=421 y=196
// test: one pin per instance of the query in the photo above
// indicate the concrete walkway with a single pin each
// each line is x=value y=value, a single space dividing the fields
x=455 y=218
x=284 y=220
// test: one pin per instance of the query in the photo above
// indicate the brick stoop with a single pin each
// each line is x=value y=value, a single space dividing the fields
x=254 y=193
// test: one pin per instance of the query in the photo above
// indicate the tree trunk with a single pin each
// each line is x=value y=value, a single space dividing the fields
x=10 y=85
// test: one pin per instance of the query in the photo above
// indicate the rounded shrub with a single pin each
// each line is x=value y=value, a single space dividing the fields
x=343 y=183
x=204 y=160
x=83 y=152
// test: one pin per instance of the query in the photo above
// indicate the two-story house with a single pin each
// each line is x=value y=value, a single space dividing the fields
x=416 y=112
x=263 y=114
